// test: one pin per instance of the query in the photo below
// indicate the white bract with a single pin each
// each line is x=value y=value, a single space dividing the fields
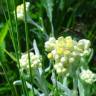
x=20 y=10
x=66 y=51
x=88 y=76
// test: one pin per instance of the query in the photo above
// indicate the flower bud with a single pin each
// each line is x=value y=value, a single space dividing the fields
x=69 y=42
x=63 y=59
x=66 y=52
x=60 y=51
x=71 y=60
x=50 y=56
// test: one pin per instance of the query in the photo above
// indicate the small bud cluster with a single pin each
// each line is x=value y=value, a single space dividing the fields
x=20 y=10
x=88 y=76
x=64 y=51
x=35 y=61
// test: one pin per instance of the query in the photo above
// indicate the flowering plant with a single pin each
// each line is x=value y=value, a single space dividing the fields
x=68 y=58
x=49 y=66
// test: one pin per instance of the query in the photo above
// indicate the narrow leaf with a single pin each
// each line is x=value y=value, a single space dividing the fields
x=3 y=32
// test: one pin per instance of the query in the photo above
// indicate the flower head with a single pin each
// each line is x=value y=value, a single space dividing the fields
x=34 y=60
x=65 y=51
x=20 y=10
x=88 y=76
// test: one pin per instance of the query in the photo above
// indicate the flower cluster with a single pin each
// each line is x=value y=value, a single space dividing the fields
x=20 y=10
x=65 y=51
x=34 y=60
x=88 y=76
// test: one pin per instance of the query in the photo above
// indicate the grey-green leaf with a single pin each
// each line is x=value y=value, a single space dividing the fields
x=48 y=4
x=81 y=89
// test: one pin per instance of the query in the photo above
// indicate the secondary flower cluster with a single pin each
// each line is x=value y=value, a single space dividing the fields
x=20 y=10
x=88 y=76
x=65 y=51
x=34 y=60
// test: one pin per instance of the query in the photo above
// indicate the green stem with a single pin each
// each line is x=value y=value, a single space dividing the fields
x=18 y=52
x=56 y=78
x=14 y=43
x=52 y=28
x=27 y=43
x=74 y=87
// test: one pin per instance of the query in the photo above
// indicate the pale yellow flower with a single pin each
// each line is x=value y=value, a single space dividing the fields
x=65 y=51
